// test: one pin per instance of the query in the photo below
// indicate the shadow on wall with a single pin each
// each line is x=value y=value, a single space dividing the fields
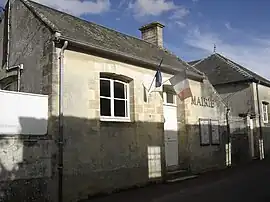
x=25 y=164
x=206 y=157
x=241 y=143
x=98 y=157
x=106 y=156
x=266 y=137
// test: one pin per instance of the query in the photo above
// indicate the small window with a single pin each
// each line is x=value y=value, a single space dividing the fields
x=265 y=112
x=169 y=98
x=114 y=99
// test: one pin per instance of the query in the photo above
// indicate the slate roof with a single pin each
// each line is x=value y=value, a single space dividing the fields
x=109 y=39
x=221 y=70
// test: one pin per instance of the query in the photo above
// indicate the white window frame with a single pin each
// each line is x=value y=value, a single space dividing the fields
x=265 y=106
x=127 y=103
x=165 y=99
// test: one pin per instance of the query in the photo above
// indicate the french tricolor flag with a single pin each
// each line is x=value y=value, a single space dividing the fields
x=181 y=86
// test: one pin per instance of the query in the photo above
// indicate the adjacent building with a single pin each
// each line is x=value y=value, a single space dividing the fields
x=248 y=96
x=106 y=131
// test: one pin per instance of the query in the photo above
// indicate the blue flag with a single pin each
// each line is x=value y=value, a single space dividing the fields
x=158 y=78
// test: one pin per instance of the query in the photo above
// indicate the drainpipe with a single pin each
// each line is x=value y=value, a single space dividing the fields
x=61 y=138
x=259 y=113
x=8 y=34
x=20 y=68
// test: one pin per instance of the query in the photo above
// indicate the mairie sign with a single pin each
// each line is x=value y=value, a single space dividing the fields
x=203 y=101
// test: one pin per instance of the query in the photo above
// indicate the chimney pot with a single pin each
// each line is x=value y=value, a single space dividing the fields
x=153 y=33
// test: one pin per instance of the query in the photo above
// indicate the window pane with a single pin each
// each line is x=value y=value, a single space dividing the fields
x=105 y=107
x=119 y=108
x=119 y=90
x=105 y=88
x=170 y=98
x=265 y=112
x=265 y=117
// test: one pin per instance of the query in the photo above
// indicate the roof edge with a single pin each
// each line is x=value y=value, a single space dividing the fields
x=267 y=82
x=196 y=70
x=261 y=82
x=137 y=60
x=200 y=60
x=247 y=75
x=252 y=80
x=41 y=17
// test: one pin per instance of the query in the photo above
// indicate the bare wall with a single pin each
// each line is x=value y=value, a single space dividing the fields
x=31 y=45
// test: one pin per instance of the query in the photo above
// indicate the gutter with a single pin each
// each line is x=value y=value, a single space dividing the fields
x=128 y=57
x=61 y=126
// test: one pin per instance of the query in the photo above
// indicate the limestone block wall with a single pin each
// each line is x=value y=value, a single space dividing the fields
x=205 y=104
x=264 y=96
x=26 y=168
x=105 y=155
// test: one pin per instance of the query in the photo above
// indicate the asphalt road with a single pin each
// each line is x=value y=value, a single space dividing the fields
x=249 y=183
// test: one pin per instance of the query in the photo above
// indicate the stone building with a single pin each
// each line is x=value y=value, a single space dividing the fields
x=113 y=135
x=248 y=95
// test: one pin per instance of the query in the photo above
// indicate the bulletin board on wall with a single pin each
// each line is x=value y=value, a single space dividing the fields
x=204 y=125
x=215 y=139
x=209 y=132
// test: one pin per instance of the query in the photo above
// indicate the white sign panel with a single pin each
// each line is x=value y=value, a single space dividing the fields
x=215 y=132
x=23 y=113
x=204 y=132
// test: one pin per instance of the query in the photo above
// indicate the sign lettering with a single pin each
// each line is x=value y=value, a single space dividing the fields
x=202 y=101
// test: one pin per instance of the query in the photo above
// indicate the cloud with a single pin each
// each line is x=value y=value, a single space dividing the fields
x=180 y=24
x=253 y=54
x=78 y=7
x=180 y=13
x=228 y=26
x=122 y=3
x=194 y=1
x=151 y=7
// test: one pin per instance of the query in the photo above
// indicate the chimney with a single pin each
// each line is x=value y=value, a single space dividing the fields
x=153 y=33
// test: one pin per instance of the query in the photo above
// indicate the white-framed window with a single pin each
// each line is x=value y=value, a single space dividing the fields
x=169 y=98
x=265 y=112
x=114 y=100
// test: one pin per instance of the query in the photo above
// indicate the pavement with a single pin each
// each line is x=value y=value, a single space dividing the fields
x=249 y=183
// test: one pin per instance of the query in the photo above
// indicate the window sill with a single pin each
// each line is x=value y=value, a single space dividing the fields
x=170 y=104
x=115 y=119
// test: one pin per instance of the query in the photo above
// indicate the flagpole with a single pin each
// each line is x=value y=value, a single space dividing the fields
x=155 y=75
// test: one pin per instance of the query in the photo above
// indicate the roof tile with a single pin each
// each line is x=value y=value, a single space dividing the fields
x=91 y=33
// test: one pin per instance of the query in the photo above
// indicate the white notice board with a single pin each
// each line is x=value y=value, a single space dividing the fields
x=23 y=113
x=204 y=131
x=215 y=139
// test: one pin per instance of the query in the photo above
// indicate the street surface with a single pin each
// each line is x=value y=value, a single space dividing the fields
x=249 y=183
